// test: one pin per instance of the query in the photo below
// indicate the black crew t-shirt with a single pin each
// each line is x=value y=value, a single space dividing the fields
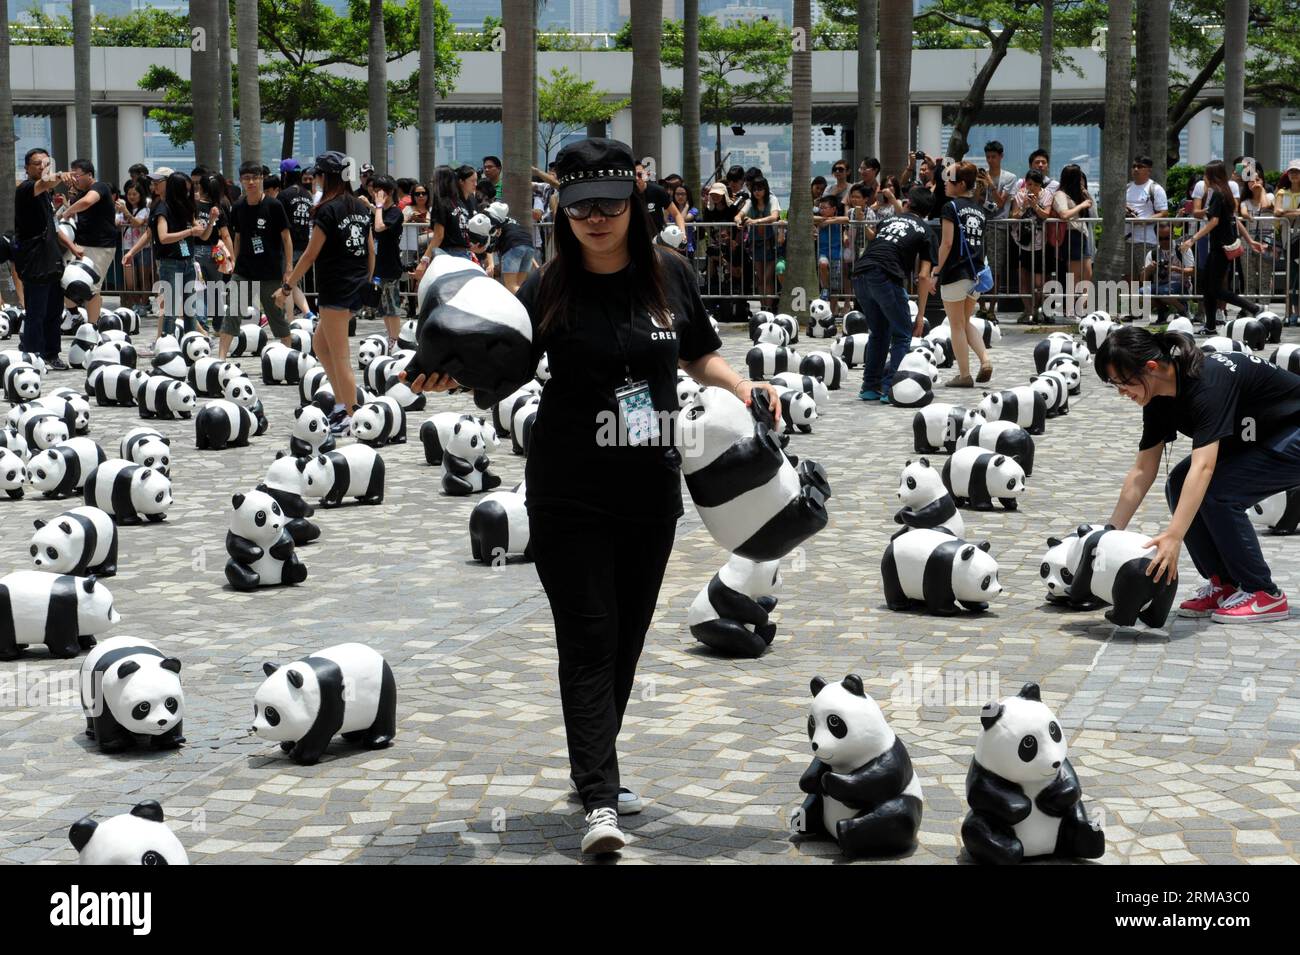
x=1225 y=232
x=184 y=249
x=513 y=235
x=388 y=253
x=570 y=469
x=343 y=266
x=453 y=235
x=259 y=228
x=900 y=241
x=1239 y=400
x=297 y=203
x=968 y=216
x=656 y=200
x=97 y=226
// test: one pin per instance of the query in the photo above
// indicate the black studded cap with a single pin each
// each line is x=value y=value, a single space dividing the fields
x=595 y=169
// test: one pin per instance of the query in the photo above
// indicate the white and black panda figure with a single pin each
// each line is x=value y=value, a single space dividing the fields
x=926 y=502
x=59 y=610
x=313 y=381
x=22 y=383
x=250 y=340
x=1288 y=357
x=260 y=546
x=300 y=338
x=1249 y=331
x=939 y=345
x=822 y=364
x=111 y=321
x=1002 y=437
x=862 y=790
x=977 y=477
x=13 y=474
x=1052 y=346
x=400 y=391
x=380 y=422
x=62 y=470
x=113 y=385
x=936 y=428
x=72 y=407
x=1181 y=323
x=383 y=369
x=162 y=397
x=435 y=433
x=749 y=495
x=79 y=280
x=851 y=349
x=139 y=837
x=764 y=361
x=789 y=323
x=43 y=429
x=1096 y=332
x=1059 y=562
x=855 y=322
x=12 y=356
x=406 y=335
x=14 y=440
x=241 y=391
x=195 y=345
x=498 y=527
x=81 y=541
x=1272 y=322
x=352 y=471
x=209 y=376
x=128 y=318
x=911 y=389
x=521 y=428
x=1070 y=370
x=1278 y=514
x=1021 y=405
x=731 y=613
x=503 y=412
x=935 y=570
x=543 y=370
x=130 y=493
x=798 y=412
x=83 y=343
x=1055 y=390
x=1024 y=796
x=346 y=690
x=131 y=696
x=988 y=329
x=370 y=348
x=687 y=387
x=772 y=334
x=821 y=320
x=223 y=424
x=465 y=461
x=284 y=483
x=311 y=432
x=757 y=320
x=1109 y=567
x=809 y=385
x=147 y=447
x=109 y=352
x=1220 y=343
x=282 y=365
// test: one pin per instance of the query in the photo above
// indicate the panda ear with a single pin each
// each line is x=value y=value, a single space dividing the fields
x=1033 y=378
x=88 y=585
x=990 y=714
x=999 y=461
x=149 y=809
x=984 y=546
x=968 y=552
x=295 y=679
x=281 y=454
x=816 y=685
x=171 y=663
x=269 y=668
x=300 y=464
x=237 y=501
x=1053 y=541
x=907 y=463
x=145 y=474
x=297 y=413
x=925 y=463
x=1110 y=527
x=65 y=527
x=81 y=831
x=853 y=683
x=166 y=441
x=1084 y=530
x=126 y=669
x=1030 y=692
x=38 y=523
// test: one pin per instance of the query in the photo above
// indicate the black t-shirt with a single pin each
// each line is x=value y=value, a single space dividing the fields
x=212 y=210
x=97 y=226
x=453 y=231
x=512 y=236
x=343 y=265
x=297 y=203
x=656 y=200
x=1225 y=233
x=569 y=469
x=900 y=241
x=1239 y=400
x=259 y=227
x=969 y=216
x=388 y=256
x=169 y=250
x=33 y=215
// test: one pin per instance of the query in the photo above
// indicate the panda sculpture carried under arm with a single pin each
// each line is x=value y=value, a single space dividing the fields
x=260 y=546
x=138 y=837
x=730 y=614
x=345 y=690
x=1025 y=799
x=131 y=695
x=862 y=791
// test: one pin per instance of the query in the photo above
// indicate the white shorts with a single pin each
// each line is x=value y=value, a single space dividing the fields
x=103 y=257
x=958 y=291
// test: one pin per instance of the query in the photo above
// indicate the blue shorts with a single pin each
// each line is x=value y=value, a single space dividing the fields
x=518 y=259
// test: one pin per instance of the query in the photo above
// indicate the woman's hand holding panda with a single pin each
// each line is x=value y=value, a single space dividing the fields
x=744 y=390
x=429 y=382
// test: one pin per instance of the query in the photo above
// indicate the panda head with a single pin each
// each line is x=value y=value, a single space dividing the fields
x=1059 y=565
x=687 y=389
x=144 y=694
x=845 y=727
x=45 y=470
x=155 y=452
x=1049 y=387
x=12 y=472
x=1021 y=740
x=368 y=422
x=286 y=704
x=975 y=574
x=491 y=440
x=803 y=410
x=241 y=391
x=257 y=517
x=467 y=440
x=95 y=610
x=151 y=491
x=713 y=422
x=991 y=405
x=196 y=347
x=1005 y=477
x=1067 y=368
x=86 y=336
x=919 y=483
x=25 y=384
x=820 y=311
x=54 y=546
x=310 y=425
x=317 y=475
x=286 y=473
x=773 y=334
x=139 y=837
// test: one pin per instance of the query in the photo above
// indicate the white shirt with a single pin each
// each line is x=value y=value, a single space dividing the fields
x=1186 y=259
x=1198 y=191
x=1258 y=229
x=1007 y=182
x=1146 y=200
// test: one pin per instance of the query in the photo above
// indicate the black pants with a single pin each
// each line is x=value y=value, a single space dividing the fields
x=42 y=325
x=1214 y=291
x=602 y=580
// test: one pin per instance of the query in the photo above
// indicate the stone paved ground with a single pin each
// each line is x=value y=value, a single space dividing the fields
x=1187 y=742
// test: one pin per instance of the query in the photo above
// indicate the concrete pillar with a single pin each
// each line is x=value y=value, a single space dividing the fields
x=130 y=137
x=671 y=160
x=1199 y=128
x=72 y=146
x=106 y=167
x=335 y=138
x=58 y=144
x=929 y=129
x=406 y=152
x=357 y=145
x=1268 y=137
x=621 y=127
x=598 y=129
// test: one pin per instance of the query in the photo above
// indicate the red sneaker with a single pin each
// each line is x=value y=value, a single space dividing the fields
x=1206 y=600
x=1245 y=607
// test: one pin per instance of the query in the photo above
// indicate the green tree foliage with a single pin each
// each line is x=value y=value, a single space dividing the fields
x=146 y=28
x=566 y=104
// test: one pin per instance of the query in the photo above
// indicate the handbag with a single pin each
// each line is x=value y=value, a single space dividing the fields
x=984 y=277
x=1234 y=249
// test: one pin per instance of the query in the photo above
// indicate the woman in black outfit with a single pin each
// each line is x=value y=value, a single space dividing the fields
x=609 y=309
x=1223 y=227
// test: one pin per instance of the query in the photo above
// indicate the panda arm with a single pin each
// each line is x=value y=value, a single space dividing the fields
x=457 y=466
x=932 y=515
x=883 y=778
x=810 y=781
x=481 y=463
x=1062 y=793
x=991 y=794
x=733 y=605
x=282 y=549
x=242 y=549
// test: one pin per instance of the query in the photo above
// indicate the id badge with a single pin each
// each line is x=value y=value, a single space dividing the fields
x=639 y=419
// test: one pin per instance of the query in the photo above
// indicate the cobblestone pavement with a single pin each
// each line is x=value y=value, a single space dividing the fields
x=1187 y=741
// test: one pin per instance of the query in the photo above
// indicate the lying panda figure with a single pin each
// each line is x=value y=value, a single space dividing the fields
x=139 y=837
x=1021 y=405
x=911 y=388
x=168 y=360
x=934 y=568
x=862 y=791
x=1279 y=513
x=83 y=343
x=936 y=428
x=59 y=610
x=926 y=502
x=345 y=690
x=131 y=695
x=730 y=614
x=81 y=541
x=764 y=360
x=498 y=527
x=798 y=411
x=260 y=546
x=976 y=477
x=1024 y=796
x=1104 y=566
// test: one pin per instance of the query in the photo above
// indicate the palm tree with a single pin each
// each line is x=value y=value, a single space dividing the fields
x=691 y=94
x=428 y=92
x=84 y=146
x=518 y=115
x=800 y=266
x=226 y=94
x=203 y=80
x=1153 y=84
x=250 y=95
x=647 y=85
x=1045 y=79
x=7 y=172
x=1111 y=264
x=378 y=90
x=1234 y=75
x=864 y=132
x=895 y=84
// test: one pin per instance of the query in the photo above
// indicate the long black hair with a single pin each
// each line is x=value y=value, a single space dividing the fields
x=564 y=274
x=1072 y=182
x=1216 y=178
x=1126 y=351
x=179 y=196
x=334 y=185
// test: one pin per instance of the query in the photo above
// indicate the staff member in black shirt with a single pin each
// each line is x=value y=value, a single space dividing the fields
x=263 y=251
x=1243 y=416
x=657 y=202
x=961 y=257
x=611 y=311
x=39 y=257
x=1224 y=228
x=297 y=200
x=387 y=227
x=97 y=237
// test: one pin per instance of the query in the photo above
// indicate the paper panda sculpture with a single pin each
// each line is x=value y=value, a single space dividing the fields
x=814 y=387
x=1024 y=796
x=353 y=471
x=498 y=527
x=13 y=440
x=731 y=613
x=300 y=339
x=798 y=412
x=407 y=339
x=789 y=323
x=749 y=495
x=503 y=412
x=62 y=471
x=1279 y=513
x=42 y=429
x=13 y=474
x=223 y=424
x=1021 y=405
x=1002 y=437
x=1069 y=369
x=465 y=461
x=435 y=433
x=926 y=502
x=311 y=432
x=1181 y=323
x=79 y=280
x=911 y=389
x=824 y=365
x=22 y=383
x=112 y=385
x=59 y=610
x=976 y=478
x=380 y=422
x=1055 y=390
x=378 y=372
x=346 y=690
x=821 y=320
x=854 y=322
x=371 y=347
x=70 y=406
x=282 y=365
x=129 y=492
x=1272 y=322
x=938 y=571
x=473 y=329
x=131 y=695
x=11 y=357
x=147 y=447
x=1249 y=331
x=772 y=334
x=1219 y=343
x=1109 y=567
x=284 y=483
x=241 y=391
x=251 y=339
x=260 y=547
x=1096 y=332
x=109 y=352
x=81 y=541
x=1288 y=357
x=852 y=349
x=936 y=427
x=195 y=345
x=159 y=396
x=521 y=427
x=83 y=343
x=861 y=789
x=764 y=361
x=208 y=376
x=1049 y=348
x=139 y=837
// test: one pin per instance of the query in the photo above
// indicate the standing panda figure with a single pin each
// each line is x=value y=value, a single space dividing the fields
x=148 y=448
x=112 y=352
x=465 y=462
x=139 y=837
x=824 y=365
x=921 y=361
x=353 y=470
x=261 y=548
x=380 y=422
x=1002 y=437
x=911 y=389
x=936 y=428
x=1110 y=567
x=814 y=387
x=798 y=412
x=1058 y=566
x=943 y=572
x=1096 y=332
x=1052 y=346
x=1288 y=357
x=251 y=340
x=975 y=477
x=380 y=371
x=194 y=345
x=223 y=424
x=503 y=412
x=162 y=397
x=81 y=542
x=1055 y=391
x=113 y=385
x=43 y=429
x=772 y=334
x=1025 y=799
x=764 y=361
x=862 y=791
x=131 y=695
x=926 y=502
x=498 y=527
x=208 y=376
x=311 y=432
x=854 y=322
x=346 y=690
x=1021 y=405
x=167 y=358
x=70 y=406
x=62 y=471
x=1219 y=343
x=1249 y=331
x=730 y=614
x=13 y=474
x=1279 y=513
x=130 y=493
x=521 y=426
x=1070 y=370
x=59 y=610
x=851 y=348
x=789 y=323
x=241 y=391
x=282 y=365
x=821 y=320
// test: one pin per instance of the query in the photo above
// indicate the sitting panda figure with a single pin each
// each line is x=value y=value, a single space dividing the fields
x=821 y=320
x=926 y=502
x=148 y=448
x=311 y=432
x=851 y=349
x=13 y=474
x=814 y=387
x=936 y=428
x=765 y=360
x=976 y=477
x=129 y=492
x=862 y=790
x=1279 y=513
x=1021 y=405
x=353 y=470
x=81 y=542
x=1070 y=370
x=380 y=422
x=131 y=695
x=498 y=527
x=1003 y=437
x=465 y=461
x=59 y=610
x=139 y=837
x=934 y=568
x=261 y=548
x=283 y=482
x=822 y=364
x=1109 y=567
x=345 y=690
x=167 y=398
x=730 y=614
x=1025 y=799
x=22 y=383
x=62 y=471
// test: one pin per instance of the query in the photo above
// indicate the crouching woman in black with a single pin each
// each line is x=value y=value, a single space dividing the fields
x=1243 y=417
x=617 y=317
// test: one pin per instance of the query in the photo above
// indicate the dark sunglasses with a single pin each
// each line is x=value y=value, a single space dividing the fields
x=421 y=192
x=583 y=208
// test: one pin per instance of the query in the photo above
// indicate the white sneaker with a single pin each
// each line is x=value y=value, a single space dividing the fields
x=629 y=803
x=603 y=834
